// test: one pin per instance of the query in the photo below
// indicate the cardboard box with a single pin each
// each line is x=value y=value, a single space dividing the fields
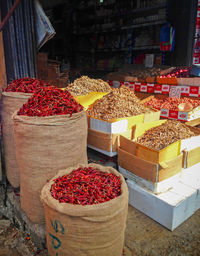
x=105 y=143
x=167 y=80
x=104 y=135
x=188 y=81
x=154 y=187
x=152 y=155
x=154 y=176
x=120 y=125
x=174 y=114
x=170 y=208
x=172 y=150
x=191 y=157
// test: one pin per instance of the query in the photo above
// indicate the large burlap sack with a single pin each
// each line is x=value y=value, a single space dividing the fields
x=45 y=145
x=92 y=230
x=11 y=102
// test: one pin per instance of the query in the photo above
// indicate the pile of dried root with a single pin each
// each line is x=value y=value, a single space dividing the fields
x=118 y=103
x=85 y=85
x=163 y=135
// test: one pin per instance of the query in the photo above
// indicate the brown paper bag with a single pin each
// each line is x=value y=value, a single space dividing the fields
x=11 y=102
x=92 y=230
x=45 y=145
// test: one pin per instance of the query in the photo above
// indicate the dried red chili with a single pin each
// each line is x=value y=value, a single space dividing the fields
x=25 y=85
x=178 y=72
x=86 y=186
x=48 y=101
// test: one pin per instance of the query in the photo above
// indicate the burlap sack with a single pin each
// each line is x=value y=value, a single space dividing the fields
x=45 y=145
x=11 y=102
x=92 y=230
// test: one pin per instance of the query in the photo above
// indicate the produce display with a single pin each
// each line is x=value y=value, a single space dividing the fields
x=48 y=101
x=25 y=85
x=86 y=186
x=178 y=104
x=148 y=72
x=163 y=135
x=119 y=103
x=84 y=85
x=178 y=72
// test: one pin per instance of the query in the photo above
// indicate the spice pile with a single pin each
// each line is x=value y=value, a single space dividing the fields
x=84 y=85
x=171 y=103
x=86 y=186
x=118 y=103
x=48 y=101
x=148 y=72
x=25 y=85
x=163 y=135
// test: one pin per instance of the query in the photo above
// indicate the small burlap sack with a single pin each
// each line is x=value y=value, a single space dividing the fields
x=45 y=145
x=92 y=230
x=11 y=102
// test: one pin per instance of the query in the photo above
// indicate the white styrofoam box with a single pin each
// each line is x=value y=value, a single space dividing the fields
x=157 y=187
x=107 y=153
x=170 y=208
x=112 y=128
x=190 y=143
x=191 y=178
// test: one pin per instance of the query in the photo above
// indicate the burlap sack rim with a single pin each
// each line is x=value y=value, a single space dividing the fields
x=87 y=210
x=44 y=120
x=17 y=94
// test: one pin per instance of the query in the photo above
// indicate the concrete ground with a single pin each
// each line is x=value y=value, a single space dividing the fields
x=143 y=236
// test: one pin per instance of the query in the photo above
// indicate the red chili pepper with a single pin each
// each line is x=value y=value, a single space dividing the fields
x=86 y=186
x=48 y=101
x=25 y=85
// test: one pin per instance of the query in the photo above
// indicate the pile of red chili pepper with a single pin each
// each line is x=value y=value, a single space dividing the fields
x=26 y=85
x=171 y=103
x=49 y=101
x=86 y=186
x=178 y=72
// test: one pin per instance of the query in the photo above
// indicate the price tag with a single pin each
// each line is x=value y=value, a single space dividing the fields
x=175 y=92
x=149 y=60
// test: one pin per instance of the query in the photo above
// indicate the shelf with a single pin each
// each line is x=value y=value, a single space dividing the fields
x=112 y=50
x=153 y=23
x=146 y=47
x=134 y=11
x=146 y=9
x=115 y=29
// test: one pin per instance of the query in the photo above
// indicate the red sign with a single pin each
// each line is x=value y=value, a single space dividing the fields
x=150 y=89
x=158 y=87
x=173 y=114
x=137 y=87
x=194 y=90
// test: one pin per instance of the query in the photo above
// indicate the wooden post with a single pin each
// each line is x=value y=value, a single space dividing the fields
x=3 y=79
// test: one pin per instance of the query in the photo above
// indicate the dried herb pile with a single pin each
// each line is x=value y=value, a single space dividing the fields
x=163 y=135
x=48 y=101
x=118 y=103
x=86 y=186
x=25 y=85
x=84 y=85
x=171 y=103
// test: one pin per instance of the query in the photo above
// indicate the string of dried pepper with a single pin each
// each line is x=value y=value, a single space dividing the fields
x=86 y=186
x=48 y=101
x=25 y=85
